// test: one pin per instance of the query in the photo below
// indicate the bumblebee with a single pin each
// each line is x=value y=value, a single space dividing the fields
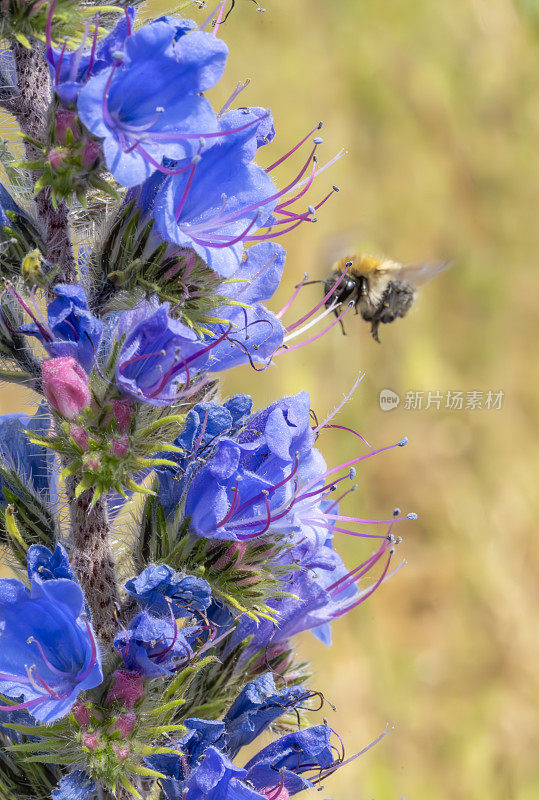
x=381 y=290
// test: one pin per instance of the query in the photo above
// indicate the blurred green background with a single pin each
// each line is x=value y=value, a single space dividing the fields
x=437 y=103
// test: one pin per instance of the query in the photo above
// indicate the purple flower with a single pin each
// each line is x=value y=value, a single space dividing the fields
x=35 y=464
x=248 y=482
x=7 y=203
x=258 y=705
x=200 y=735
x=48 y=651
x=70 y=71
x=216 y=778
x=49 y=566
x=222 y=195
x=148 y=105
x=72 y=329
x=204 y=423
x=162 y=591
x=154 y=646
x=75 y=786
x=292 y=761
x=256 y=333
x=160 y=357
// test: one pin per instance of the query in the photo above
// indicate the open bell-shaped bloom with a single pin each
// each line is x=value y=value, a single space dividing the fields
x=48 y=650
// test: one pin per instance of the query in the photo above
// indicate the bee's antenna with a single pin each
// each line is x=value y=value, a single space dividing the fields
x=308 y=283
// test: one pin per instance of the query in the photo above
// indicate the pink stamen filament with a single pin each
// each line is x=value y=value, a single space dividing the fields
x=51 y=667
x=318 y=335
x=346 y=465
x=343 y=428
x=44 y=684
x=231 y=511
x=315 y=321
x=48 y=27
x=59 y=64
x=219 y=18
x=293 y=150
x=358 y=572
x=249 y=503
x=287 y=305
x=93 y=654
x=237 y=91
x=316 y=523
x=128 y=21
x=365 y=595
x=93 y=51
x=179 y=208
x=324 y=300
x=42 y=327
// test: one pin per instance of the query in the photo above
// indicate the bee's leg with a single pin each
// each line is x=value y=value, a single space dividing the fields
x=342 y=327
x=374 y=330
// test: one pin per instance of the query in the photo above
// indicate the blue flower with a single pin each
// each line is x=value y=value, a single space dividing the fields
x=75 y=786
x=292 y=761
x=200 y=735
x=249 y=480
x=257 y=706
x=320 y=589
x=204 y=423
x=7 y=203
x=257 y=333
x=48 y=651
x=72 y=330
x=71 y=71
x=219 y=199
x=216 y=778
x=160 y=357
x=162 y=591
x=48 y=566
x=154 y=646
x=148 y=106
x=34 y=464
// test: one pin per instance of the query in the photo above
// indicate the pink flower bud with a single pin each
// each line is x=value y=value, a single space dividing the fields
x=56 y=159
x=90 y=741
x=120 y=446
x=126 y=689
x=122 y=411
x=65 y=385
x=91 y=154
x=81 y=712
x=125 y=724
x=121 y=750
x=80 y=435
x=66 y=120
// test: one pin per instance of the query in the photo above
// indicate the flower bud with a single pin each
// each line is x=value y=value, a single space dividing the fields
x=125 y=724
x=56 y=159
x=91 y=155
x=120 y=446
x=65 y=385
x=126 y=689
x=81 y=712
x=90 y=741
x=122 y=411
x=121 y=751
x=79 y=435
x=65 y=121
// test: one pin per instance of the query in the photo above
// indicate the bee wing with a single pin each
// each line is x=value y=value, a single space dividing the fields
x=418 y=274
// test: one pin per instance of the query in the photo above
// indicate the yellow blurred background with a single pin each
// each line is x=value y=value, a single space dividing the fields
x=438 y=105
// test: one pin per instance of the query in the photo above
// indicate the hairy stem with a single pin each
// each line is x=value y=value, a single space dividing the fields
x=31 y=109
x=93 y=562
